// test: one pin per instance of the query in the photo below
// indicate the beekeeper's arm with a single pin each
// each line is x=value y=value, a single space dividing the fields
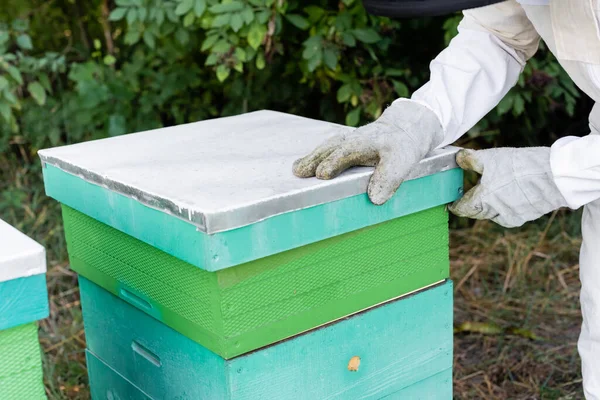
x=481 y=64
x=468 y=79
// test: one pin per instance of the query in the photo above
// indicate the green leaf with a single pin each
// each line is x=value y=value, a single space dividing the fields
x=199 y=7
x=131 y=16
x=298 y=21
x=353 y=117
x=15 y=74
x=314 y=13
x=263 y=17
x=189 y=19
x=160 y=16
x=117 y=14
x=394 y=72
x=232 y=6
x=10 y=97
x=240 y=54
x=315 y=61
x=132 y=37
x=368 y=36
x=3 y=83
x=348 y=39
x=344 y=93
x=142 y=14
x=400 y=88
x=221 y=20
x=5 y=111
x=223 y=72
x=45 y=81
x=239 y=66
x=24 y=42
x=330 y=58
x=124 y=3
x=37 y=92
x=117 y=125
x=184 y=7
x=248 y=15
x=237 y=22
x=505 y=104
x=211 y=59
x=171 y=16
x=3 y=37
x=222 y=46
x=260 y=61
x=20 y=25
x=182 y=36
x=149 y=39
x=209 y=42
x=312 y=46
x=109 y=60
x=256 y=35
x=97 y=44
x=518 y=106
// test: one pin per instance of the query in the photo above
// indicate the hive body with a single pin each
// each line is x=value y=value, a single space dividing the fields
x=399 y=343
x=242 y=308
x=23 y=301
x=304 y=289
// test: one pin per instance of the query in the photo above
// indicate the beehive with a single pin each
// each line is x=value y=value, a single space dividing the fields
x=203 y=228
x=23 y=300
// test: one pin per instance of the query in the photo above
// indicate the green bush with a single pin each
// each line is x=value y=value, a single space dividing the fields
x=74 y=71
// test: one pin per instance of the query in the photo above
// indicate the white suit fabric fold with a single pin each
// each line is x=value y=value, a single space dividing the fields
x=472 y=75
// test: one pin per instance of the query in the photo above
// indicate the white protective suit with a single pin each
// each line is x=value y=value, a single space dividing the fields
x=482 y=63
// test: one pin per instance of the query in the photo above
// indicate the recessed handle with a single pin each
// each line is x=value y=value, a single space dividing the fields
x=146 y=353
x=135 y=300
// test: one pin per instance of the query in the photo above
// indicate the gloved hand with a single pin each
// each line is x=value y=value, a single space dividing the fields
x=516 y=186
x=394 y=143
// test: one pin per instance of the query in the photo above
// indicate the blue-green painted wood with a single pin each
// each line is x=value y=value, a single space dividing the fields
x=107 y=384
x=273 y=235
x=400 y=343
x=436 y=387
x=23 y=300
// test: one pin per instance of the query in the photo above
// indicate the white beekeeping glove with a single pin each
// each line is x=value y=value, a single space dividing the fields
x=516 y=185
x=394 y=143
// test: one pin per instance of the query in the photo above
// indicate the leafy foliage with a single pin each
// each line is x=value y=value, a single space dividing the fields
x=103 y=68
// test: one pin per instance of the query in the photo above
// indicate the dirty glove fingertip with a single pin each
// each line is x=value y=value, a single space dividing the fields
x=302 y=169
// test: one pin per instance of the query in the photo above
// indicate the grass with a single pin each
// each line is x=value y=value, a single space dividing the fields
x=517 y=313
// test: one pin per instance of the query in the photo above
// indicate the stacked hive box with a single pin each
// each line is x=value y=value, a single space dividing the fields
x=208 y=271
x=23 y=301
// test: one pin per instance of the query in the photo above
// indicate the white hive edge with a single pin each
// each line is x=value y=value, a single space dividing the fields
x=20 y=256
x=223 y=173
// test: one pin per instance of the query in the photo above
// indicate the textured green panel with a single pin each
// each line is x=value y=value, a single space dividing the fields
x=20 y=364
x=242 y=308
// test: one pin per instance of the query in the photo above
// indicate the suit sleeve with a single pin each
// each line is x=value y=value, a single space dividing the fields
x=479 y=66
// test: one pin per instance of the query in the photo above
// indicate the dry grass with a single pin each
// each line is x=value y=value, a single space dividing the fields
x=516 y=309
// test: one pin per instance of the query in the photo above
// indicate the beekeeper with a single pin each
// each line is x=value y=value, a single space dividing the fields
x=468 y=79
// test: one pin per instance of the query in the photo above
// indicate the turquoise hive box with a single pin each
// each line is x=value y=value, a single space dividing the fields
x=207 y=270
x=23 y=301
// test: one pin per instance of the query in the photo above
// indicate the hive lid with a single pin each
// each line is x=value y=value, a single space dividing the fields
x=20 y=256
x=223 y=173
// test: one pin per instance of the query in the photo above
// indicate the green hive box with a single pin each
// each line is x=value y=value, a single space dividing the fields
x=23 y=300
x=204 y=227
x=21 y=375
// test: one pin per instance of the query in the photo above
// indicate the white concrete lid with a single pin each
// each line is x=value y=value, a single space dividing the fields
x=223 y=173
x=20 y=256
